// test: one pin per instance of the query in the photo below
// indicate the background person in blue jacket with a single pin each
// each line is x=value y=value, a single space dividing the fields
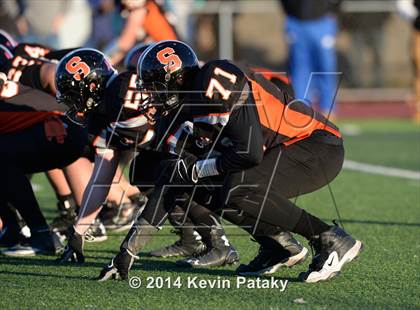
x=311 y=29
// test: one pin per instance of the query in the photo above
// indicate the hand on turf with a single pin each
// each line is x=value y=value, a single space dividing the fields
x=74 y=249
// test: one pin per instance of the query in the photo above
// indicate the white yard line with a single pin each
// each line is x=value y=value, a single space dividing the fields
x=381 y=170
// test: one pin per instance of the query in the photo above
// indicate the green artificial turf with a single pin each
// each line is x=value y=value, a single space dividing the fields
x=383 y=212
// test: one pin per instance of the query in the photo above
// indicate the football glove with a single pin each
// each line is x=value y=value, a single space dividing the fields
x=181 y=170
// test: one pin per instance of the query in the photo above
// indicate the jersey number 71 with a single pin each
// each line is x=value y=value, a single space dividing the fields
x=215 y=84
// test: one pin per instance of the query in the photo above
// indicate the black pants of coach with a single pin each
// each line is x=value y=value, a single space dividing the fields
x=29 y=151
x=261 y=196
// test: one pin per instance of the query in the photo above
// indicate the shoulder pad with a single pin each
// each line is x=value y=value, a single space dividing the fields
x=122 y=98
x=220 y=86
x=31 y=50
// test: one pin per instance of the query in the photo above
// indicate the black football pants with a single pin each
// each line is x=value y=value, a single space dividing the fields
x=260 y=196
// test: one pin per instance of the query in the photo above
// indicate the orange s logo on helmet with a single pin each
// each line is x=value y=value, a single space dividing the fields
x=77 y=67
x=169 y=59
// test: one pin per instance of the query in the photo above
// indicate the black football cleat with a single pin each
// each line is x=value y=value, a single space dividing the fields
x=333 y=248
x=188 y=245
x=219 y=252
x=119 y=267
x=74 y=249
x=281 y=250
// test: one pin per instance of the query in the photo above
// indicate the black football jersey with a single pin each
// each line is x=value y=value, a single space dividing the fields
x=118 y=124
x=238 y=117
x=39 y=51
x=31 y=50
x=216 y=117
x=24 y=55
x=18 y=64
x=18 y=97
x=26 y=64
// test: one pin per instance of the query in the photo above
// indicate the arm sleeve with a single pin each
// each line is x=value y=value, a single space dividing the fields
x=31 y=76
x=244 y=141
x=231 y=118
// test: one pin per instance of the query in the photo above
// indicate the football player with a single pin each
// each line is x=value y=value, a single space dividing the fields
x=39 y=73
x=87 y=83
x=265 y=147
x=190 y=241
x=34 y=137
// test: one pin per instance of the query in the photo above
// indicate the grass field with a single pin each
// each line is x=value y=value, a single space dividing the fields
x=383 y=212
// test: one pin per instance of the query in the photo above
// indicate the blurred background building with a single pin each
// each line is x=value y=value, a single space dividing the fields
x=373 y=41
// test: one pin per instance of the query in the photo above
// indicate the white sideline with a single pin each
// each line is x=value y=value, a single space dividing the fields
x=381 y=170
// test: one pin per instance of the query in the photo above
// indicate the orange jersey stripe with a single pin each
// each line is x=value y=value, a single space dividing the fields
x=276 y=116
x=14 y=121
x=213 y=114
x=270 y=74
